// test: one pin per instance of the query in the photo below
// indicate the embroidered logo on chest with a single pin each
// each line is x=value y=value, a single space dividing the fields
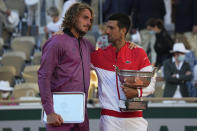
x=127 y=62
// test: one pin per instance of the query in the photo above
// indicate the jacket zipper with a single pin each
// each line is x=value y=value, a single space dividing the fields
x=116 y=63
x=82 y=64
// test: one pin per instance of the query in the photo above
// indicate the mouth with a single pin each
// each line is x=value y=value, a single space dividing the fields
x=85 y=28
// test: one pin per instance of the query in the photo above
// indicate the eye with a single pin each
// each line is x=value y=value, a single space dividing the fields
x=110 y=27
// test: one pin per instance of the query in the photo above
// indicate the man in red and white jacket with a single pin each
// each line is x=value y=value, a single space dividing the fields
x=110 y=91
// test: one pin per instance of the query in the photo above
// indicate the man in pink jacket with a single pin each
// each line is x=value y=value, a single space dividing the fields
x=65 y=65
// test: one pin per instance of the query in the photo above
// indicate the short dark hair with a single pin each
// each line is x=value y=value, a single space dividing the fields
x=152 y=22
x=123 y=20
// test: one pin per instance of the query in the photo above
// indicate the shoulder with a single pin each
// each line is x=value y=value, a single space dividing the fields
x=186 y=63
x=139 y=51
x=103 y=51
x=167 y=61
x=56 y=41
x=88 y=43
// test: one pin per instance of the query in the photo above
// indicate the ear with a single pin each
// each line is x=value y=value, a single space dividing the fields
x=123 y=31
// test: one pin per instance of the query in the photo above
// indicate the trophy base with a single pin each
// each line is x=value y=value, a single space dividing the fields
x=136 y=105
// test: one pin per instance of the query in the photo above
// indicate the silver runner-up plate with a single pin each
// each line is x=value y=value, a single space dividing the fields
x=69 y=105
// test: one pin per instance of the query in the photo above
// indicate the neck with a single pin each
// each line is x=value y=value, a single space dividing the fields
x=75 y=33
x=55 y=19
x=177 y=62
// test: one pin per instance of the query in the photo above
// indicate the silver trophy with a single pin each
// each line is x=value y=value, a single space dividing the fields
x=135 y=79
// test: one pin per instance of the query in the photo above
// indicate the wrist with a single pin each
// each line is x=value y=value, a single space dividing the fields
x=139 y=92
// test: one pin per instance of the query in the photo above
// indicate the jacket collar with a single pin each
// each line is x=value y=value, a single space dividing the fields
x=68 y=32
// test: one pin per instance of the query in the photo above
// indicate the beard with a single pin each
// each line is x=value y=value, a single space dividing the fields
x=79 y=31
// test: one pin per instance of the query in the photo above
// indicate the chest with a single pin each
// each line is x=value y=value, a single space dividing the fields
x=124 y=60
x=74 y=52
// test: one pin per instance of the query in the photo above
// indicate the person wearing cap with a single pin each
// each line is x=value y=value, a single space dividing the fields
x=176 y=73
x=5 y=92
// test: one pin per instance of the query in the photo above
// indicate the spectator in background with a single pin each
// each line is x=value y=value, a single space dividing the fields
x=190 y=58
x=55 y=23
x=176 y=73
x=102 y=40
x=195 y=76
x=141 y=12
x=6 y=92
x=186 y=21
x=116 y=6
x=32 y=16
x=9 y=20
x=4 y=12
x=163 y=41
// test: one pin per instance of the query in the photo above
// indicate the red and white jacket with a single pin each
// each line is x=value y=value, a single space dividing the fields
x=109 y=93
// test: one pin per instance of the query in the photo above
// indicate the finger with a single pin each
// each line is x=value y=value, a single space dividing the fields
x=54 y=124
x=58 y=123
x=125 y=88
x=60 y=119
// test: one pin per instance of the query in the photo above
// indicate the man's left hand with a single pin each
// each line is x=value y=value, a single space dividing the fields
x=130 y=92
x=132 y=45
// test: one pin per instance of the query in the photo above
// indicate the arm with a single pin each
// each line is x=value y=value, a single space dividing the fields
x=151 y=88
x=49 y=61
x=144 y=66
x=172 y=76
x=132 y=92
x=187 y=76
x=168 y=73
x=47 y=67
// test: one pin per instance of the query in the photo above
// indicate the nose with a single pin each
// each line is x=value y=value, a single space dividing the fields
x=89 y=22
x=107 y=31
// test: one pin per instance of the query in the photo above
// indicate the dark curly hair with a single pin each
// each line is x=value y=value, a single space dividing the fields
x=72 y=13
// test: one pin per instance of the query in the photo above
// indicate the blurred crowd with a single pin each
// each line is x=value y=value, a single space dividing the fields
x=165 y=29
